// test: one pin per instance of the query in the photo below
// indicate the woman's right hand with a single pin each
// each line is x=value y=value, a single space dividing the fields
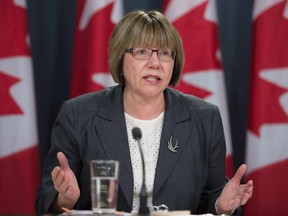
x=65 y=183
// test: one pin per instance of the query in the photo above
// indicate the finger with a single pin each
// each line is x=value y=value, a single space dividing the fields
x=58 y=177
x=239 y=173
x=245 y=197
x=64 y=185
x=249 y=186
x=250 y=183
x=62 y=182
x=55 y=172
x=63 y=161
x=247 y=192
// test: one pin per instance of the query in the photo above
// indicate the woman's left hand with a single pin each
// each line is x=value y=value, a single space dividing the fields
x=234 y=193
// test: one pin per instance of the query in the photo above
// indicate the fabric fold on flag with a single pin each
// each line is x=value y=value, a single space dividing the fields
x=94 y=24
x=197 y=23
x=19 y=155
x=267 y=149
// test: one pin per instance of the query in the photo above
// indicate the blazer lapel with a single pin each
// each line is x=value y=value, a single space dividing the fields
x=174 y=115
x=113 y=135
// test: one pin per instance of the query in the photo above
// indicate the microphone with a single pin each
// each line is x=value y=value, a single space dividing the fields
x=143 y=208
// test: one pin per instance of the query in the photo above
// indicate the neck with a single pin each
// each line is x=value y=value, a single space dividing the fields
x=143 y=108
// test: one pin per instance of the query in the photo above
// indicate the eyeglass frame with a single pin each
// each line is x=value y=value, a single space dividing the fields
x=173 y=53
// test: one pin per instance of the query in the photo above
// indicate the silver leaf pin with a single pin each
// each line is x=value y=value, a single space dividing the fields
x=173 y=144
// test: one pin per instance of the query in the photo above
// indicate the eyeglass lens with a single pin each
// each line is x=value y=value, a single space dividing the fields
x=146 y=53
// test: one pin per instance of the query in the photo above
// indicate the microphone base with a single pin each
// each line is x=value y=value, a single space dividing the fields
x=144 y=211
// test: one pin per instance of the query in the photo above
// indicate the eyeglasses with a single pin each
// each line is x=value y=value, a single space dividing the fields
x=146 y=53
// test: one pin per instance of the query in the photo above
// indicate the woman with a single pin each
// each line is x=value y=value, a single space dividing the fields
x=183 y=140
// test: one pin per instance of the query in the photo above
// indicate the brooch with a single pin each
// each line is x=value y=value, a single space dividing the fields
x=173 y=144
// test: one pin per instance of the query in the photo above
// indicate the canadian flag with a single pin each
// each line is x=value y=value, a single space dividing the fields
x=267 y=138
x=19 y=158
x=196 y=22
x=95 y=23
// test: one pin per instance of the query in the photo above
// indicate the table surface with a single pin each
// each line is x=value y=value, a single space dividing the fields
x=171 y=213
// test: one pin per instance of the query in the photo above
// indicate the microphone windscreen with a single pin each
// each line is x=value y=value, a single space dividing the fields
x=136 y=132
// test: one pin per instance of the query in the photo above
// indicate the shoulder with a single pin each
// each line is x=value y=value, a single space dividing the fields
x=90 y=97
x=90 y=102
x=191 y=102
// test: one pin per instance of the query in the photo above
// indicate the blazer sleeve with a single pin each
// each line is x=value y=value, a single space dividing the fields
x=62 y=139
x=215 y=180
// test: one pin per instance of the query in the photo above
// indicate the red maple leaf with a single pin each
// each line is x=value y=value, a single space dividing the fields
x=91 y=50
x=200 y=41
x=270 y=52
x=14 y=31
x=12 y=43
x=8 y=104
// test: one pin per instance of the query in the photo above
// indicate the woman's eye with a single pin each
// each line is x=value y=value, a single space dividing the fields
x=141 y=51
x=165 y=53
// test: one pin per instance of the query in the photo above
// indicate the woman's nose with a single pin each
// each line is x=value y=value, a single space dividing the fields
x=154 y=60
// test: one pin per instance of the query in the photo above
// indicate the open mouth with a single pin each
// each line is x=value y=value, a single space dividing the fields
x=152 y=78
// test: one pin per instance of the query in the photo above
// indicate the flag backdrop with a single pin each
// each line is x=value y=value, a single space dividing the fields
x=267 y=144
x=19 y=162
x=15 y=74
x=196 y=22
x=94 y=25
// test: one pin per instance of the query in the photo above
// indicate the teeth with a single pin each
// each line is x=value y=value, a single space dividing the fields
x=152 y=78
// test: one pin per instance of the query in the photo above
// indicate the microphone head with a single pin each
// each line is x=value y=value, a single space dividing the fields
x=136 y=132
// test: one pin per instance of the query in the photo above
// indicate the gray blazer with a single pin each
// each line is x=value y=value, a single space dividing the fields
x=92 y=126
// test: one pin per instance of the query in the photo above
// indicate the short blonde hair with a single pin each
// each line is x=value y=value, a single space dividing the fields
x=149 y=28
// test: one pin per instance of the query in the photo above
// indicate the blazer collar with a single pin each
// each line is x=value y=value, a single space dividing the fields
x=175 y=114
x=113 y=136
